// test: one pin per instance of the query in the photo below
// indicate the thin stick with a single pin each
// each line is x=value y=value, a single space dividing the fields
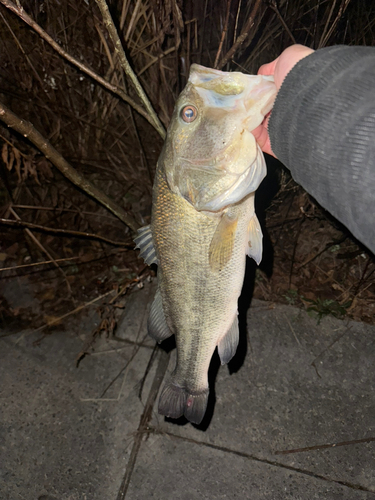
x=144 y=422
x=53 y=209
x=78 y=234
x=342 y=9
x=44 y=250
x=27 y=130
x=157 y=58
x=236 y=23
x=33 y=264
x=77 y=309
x=19 y=11
x=223 y=34
x=108 y=21
x=275 y=8
x=242 y=37
x=326 y=24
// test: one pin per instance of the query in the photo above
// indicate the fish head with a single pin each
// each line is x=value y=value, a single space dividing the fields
x=210 y=156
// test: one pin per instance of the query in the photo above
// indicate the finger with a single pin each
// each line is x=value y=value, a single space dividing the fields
x=269 y=68
x=262 y=138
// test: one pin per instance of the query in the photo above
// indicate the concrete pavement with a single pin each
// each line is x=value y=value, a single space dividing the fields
x=293 y=418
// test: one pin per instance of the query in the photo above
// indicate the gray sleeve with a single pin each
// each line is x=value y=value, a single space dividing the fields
x=322 y=128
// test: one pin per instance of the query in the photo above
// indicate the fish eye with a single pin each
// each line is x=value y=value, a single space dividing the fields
x=189 y=113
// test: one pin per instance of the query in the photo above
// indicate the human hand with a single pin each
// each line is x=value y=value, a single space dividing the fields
x=279 y=68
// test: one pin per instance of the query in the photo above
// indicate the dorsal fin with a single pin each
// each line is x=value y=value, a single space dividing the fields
x=146 y=245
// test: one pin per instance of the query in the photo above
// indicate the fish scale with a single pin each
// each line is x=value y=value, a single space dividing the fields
x=203 y=225
x=188 y=287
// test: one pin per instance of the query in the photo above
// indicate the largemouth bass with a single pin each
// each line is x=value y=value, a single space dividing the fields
x=203 y=225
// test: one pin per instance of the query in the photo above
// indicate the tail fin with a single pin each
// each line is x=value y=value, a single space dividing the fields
x=176 y=401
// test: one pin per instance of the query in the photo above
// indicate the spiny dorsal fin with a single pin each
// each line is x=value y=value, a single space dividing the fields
x=255 y=237
x=144 y=242
x=221 y=246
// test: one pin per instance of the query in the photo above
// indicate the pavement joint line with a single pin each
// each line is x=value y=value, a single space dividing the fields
x=325 y=446
x=272 y=463
x=143 y=427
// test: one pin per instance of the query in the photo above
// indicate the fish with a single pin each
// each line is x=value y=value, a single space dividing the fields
x=203 y=224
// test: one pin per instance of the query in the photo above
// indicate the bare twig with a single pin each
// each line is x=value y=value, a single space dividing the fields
x=108 y=21
x=342 y=9
x=34 y=264
x=242 y=37
x=223 y=34
x=20 y=12
x=327 y=247
x=274 y=7
x=27 y=130
x=74 y=311
x=144 y=422
x=59 y=210
x=236 y=23
x=77 y=234
x=44 y=250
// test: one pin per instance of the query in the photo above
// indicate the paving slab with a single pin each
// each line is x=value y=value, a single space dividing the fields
x=293 y=416
x=66 y=433
x=190 y=471
x=132 y=325
x=303 y=386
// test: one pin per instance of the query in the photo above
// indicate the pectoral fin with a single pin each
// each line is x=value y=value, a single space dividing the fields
x=228 y=344
x=144 y=242
x=255 y=237
x=156 y=325
x=221 y=246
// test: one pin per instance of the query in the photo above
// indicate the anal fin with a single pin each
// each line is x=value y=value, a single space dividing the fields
x=156 y=324
x=255 y=240
x=228 y=344
x=144 y=242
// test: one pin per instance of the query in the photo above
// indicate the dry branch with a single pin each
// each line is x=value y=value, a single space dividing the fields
x=242 y=37
x=64 y=232
x=44 y=250
x=27 y=130
x=20 y=12
x=223 y=34
x=274 y=7
x=108 y=21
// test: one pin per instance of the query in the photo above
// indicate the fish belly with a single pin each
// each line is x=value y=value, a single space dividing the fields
x=199 y=304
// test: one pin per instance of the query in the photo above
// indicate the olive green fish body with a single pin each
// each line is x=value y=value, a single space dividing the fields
x=203 y=226
x=200 y=305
